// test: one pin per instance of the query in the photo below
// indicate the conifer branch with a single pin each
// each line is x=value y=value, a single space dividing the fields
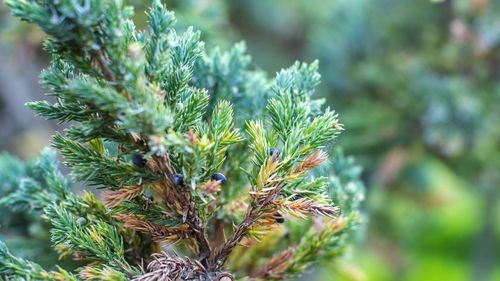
x=156 y=124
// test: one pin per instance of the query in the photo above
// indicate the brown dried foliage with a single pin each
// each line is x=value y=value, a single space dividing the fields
x=159 y=233
x=212 y=186
x=276 y=267
x=313 y=160
x=165 y=267
x=304 y=207
x=114 y=198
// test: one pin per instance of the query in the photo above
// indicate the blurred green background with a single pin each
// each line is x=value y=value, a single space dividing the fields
x=417 y=86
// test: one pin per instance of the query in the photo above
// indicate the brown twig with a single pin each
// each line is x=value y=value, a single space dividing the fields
x=256 y=211
x=102 y=66
x=219 y=234
x=181 y=201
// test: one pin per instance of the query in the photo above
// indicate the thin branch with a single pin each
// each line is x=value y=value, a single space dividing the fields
x=180 y=199
x=253 y=214
x=103 y=67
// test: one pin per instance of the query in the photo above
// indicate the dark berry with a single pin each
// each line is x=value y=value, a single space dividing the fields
x=179 y=179
x=274 y=151
x=81 y=221
x=279 y=217
x=297 y=196
x=219 y=177
x=138 y=160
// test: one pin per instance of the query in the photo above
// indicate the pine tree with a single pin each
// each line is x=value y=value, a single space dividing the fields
x=186 y=193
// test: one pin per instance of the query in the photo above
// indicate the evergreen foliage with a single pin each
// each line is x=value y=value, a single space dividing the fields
x=155 y=122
